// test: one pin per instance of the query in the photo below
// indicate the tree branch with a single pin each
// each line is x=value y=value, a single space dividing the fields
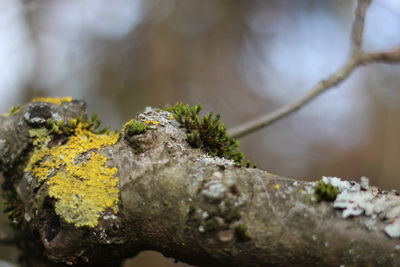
x=390 y=57
x=358 y=25
x=178 y=200
x=258 y=123
x=358 y=58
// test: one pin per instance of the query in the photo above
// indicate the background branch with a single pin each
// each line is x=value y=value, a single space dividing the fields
x=358 y=25
x=358 y=58
x=390 y=57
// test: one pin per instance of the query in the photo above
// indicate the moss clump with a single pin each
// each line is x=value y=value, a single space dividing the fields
x=241 y=233
x=207 y=132
x=325 y=192
x=12 y=207
x=134 y=127
x=91 y=124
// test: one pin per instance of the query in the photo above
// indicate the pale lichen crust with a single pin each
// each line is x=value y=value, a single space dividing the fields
x=375 y=206
x=76 y=174
x=54 y=100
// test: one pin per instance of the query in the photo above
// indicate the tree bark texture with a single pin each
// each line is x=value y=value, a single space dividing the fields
x=199 y=209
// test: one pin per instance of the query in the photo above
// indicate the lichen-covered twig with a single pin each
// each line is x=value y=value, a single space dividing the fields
x=150 y=186
x=358 y=58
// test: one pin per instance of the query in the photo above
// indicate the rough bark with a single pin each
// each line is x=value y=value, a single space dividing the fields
x=203 y=210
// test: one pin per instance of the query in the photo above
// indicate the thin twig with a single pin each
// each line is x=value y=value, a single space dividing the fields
x=321 y=87
x=388 y=57
x=358 y=58
x=358 y=25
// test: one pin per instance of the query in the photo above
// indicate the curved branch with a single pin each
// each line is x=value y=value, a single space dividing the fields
x=358 y=25
x=357 y=59
x=180 y=201
x=292 y=107
x=389 y=57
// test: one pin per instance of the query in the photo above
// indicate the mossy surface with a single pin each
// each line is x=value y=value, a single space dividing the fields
x=134 y=127
x=207 y=132
x=91 y=124
x=12 y=207
x=325 y=192
x=76 y=174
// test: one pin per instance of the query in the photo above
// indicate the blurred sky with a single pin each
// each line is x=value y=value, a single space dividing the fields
x=239 y=58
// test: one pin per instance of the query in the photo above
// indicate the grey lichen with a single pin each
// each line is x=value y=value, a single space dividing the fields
x=393 y=229
x=214 y=190
x=3 y=148
x=361 y=199
x=207 y=159
x=219 y=213
x=37 y=115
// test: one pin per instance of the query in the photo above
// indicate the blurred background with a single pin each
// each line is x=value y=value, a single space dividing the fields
x=240 y=58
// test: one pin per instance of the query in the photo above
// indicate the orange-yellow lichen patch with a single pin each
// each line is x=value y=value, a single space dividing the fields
x=91 y=189
x=13 y=110
x=277 y=186
x=151 y=122
x=54 y=100
x=82 y=190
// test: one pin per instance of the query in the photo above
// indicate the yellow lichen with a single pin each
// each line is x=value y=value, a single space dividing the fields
x=82 y=190
x=54 y=100
x=13 y=110
x=277 y=186
x=151 y=122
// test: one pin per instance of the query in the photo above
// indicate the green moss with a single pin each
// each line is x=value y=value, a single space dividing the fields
x=207 y=132
x=325 y=192
x=91 y=124
x=134 y=127
x=241 y=233
x=12 y=207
